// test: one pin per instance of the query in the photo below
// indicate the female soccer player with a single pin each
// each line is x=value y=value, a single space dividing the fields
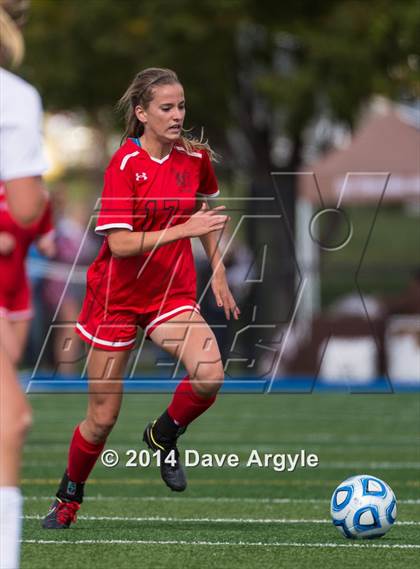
x=15 y=296
x=144 y=276
x=21 y=166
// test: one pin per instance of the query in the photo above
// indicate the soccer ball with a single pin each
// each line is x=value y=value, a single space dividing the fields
x=363 y=507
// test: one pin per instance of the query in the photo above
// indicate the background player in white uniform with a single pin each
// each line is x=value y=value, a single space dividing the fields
x=21 y=165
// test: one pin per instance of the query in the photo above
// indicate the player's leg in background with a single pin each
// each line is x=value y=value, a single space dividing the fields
x=20 y=331
x=105 y=371
x=9 y=341
x=188 y=338
x=15 y=420
x=67 y=344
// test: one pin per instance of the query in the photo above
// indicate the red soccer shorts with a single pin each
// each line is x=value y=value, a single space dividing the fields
x=16 y=306
x=116 y=331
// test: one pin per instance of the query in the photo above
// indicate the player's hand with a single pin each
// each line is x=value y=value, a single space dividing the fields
x=205 y=221
x=7 y=243
x=222 y=294
x=46 y=246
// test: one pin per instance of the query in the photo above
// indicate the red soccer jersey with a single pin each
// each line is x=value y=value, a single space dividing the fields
x=12 y=266
x=142 y=193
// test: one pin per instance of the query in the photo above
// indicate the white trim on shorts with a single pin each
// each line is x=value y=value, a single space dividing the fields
x=16 y=315
x=103 y=342
x=195 y=307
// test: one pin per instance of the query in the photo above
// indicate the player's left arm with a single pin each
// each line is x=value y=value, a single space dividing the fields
x=219 y=284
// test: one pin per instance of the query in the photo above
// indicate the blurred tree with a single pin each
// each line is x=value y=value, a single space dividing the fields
x=82 y=54
x=298 y=62
x=260 y=66
x=252 y=70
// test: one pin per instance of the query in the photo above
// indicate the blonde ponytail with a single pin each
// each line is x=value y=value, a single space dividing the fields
x=192 y=144
x=12 y=47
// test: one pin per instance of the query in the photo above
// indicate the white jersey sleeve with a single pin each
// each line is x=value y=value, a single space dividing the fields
x=21 y=151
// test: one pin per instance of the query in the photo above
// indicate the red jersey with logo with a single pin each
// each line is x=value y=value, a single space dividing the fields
x=142 y=193
x=13 y=278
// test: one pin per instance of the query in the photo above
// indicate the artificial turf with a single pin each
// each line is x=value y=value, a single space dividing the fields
x=229 y=517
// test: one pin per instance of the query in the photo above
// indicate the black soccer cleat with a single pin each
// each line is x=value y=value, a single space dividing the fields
x=61 y=514
x=171 y=469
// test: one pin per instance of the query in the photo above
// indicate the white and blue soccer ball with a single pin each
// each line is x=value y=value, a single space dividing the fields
x=363 y=507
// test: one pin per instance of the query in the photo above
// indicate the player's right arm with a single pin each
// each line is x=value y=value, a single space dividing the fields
x=126 y=243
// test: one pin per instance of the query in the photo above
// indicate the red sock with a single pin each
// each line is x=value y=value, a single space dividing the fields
x=82 y=457
x=186 y=405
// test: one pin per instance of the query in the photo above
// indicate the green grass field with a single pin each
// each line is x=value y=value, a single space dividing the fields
x=229 y=517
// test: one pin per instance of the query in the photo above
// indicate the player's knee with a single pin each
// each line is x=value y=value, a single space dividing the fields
x=26 y=420
x=101 y=423
x=18 y=427
x=24 y=423
x=209 y=379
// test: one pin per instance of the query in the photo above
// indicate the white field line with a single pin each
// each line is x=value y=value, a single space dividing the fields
x=207 y=446
x=210 y=499
x=204 y=482
x=220 y=543
x=321 y=466
x=236 y=446
x=210 y=520
x=382 y=465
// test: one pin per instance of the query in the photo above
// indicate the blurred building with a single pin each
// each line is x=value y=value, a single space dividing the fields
x=361 y=336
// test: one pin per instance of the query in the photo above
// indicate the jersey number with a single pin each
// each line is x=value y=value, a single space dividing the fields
x=166 y=214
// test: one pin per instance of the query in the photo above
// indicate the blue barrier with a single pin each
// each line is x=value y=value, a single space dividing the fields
x=62 y=384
